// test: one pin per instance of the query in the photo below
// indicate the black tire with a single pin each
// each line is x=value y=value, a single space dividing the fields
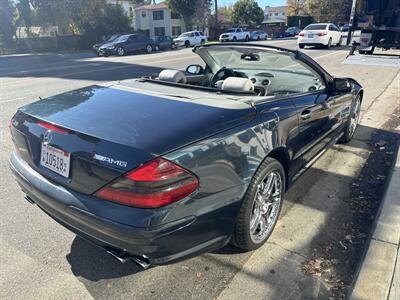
x=187 y=44
x=247 y=38
x=234 y=39
x=328 y=46
x=120 y=51
x=242 y=238
x=258 y=38
x=149 y=48
x=203 y=42
x=349 y=130
x=173 y=46
x=157 y=48
x=301 y=46
x=340 y=42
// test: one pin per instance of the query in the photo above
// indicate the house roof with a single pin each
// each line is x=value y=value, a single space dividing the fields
x=274 y=21
x=161 y=5
x=274 y=9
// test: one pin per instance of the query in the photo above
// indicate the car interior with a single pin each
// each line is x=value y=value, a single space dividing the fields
x=251 y=71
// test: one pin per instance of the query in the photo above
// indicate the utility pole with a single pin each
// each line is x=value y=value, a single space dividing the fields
x=216 y=13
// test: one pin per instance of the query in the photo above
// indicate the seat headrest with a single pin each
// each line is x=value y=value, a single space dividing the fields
x=238 y=84
x=172 y=76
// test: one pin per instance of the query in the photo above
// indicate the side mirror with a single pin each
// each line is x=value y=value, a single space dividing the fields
x=342 y=85
x=194 y=69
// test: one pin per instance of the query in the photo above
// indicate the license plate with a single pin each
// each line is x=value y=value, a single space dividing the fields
x=55 y=159
x=310 y=36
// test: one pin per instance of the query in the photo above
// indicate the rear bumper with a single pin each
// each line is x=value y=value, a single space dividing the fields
x=313 y=41
x=161 y=244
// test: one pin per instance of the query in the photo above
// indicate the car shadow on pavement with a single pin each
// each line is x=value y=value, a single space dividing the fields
x=78 y=68
x=94 y=263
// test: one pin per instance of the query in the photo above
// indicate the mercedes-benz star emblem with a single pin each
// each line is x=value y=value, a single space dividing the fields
x=48 y=135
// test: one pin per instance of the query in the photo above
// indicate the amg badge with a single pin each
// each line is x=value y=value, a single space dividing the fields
x=111 y=161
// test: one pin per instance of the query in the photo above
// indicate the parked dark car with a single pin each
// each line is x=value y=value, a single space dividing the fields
x=292 y=31
x=159 y=169
x=164 y=42
x=107 y=40
x=128 y=43
x=345 y=28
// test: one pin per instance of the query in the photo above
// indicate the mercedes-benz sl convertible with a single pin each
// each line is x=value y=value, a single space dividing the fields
x=166 y=167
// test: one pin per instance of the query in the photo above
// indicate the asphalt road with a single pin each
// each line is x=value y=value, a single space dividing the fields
x=39 y=258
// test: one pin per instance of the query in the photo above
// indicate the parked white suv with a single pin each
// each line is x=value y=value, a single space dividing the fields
x=190 y=38
x=234 y=34
x=321 y=34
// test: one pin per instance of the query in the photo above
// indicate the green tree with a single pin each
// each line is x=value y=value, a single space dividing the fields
x=7 y=20
x=24 y=13
x=247 y=12
x=329 y=11
x=82 y=16
x=186 y=8
x=295 y=7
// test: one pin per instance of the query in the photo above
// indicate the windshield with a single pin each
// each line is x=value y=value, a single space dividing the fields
x=121 y=39
x=231 y=30
x=254 y=59
x=316 y=27
x=186 y=34
x=113 y=37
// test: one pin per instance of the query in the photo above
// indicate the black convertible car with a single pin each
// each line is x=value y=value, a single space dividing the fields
x=163 y=168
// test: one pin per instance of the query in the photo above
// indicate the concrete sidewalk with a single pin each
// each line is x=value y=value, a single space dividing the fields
x=379 y=276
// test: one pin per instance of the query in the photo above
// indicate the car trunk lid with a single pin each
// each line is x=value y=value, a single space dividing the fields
x=110 y=131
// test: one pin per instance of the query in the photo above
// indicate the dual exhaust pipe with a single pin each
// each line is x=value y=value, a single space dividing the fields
x=123 y=257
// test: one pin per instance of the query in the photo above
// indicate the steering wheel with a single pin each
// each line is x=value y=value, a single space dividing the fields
x=221 y=74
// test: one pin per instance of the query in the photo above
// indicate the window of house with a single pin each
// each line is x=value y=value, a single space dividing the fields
x=158 y=15
x=176 y=30
x=175 y=16
x=143 y=14
x=159 y=31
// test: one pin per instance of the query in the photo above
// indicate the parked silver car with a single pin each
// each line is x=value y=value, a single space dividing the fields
x=258 y=35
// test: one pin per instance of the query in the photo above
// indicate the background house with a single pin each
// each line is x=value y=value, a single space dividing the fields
x=276 y=12
x=158 y=20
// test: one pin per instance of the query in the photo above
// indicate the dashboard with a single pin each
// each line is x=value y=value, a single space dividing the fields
x=281 y=82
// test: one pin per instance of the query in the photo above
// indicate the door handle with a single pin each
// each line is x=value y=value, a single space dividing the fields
x=306 y=114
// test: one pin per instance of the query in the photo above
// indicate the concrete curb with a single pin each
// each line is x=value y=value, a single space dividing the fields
x=379 y=274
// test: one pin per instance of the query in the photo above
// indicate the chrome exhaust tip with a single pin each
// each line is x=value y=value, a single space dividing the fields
x=123 y=257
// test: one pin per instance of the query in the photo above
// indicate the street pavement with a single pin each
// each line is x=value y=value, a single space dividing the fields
x=41 y=259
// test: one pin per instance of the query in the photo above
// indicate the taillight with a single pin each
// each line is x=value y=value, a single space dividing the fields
x=52 y=127
x=155 y=184
x=301 y=34
x=322 y=34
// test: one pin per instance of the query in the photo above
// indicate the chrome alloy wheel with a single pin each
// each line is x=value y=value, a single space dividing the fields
x=266 y=206
x=355 y=117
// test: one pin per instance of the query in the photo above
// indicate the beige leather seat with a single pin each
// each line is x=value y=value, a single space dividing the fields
x=238 y=84
x=172 y=76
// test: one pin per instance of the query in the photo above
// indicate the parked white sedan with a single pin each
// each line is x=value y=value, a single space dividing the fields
x=321 y=34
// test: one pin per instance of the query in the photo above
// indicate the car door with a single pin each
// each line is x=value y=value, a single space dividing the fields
x=316 y=113
x=198 y=38
x=333 y=34
x=132 y=43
